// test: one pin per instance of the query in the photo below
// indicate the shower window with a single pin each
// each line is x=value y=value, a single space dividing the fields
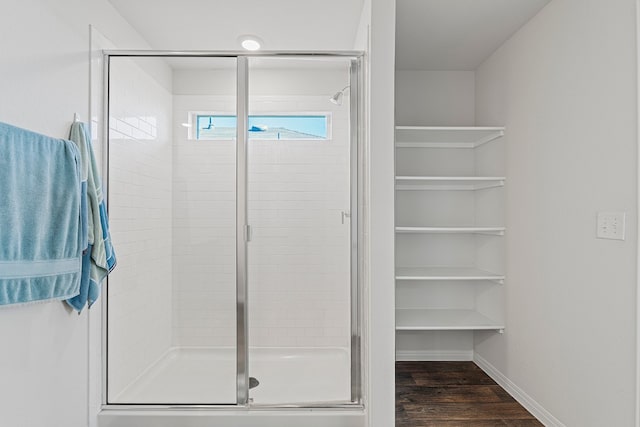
x=267 y=127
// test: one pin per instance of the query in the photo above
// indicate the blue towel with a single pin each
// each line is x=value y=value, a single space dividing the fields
x=41 y=236
x=99 y=258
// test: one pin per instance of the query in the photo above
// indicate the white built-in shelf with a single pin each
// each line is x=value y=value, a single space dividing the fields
x=453 y=230
x=448 y=182
x=444 y=320
x=446 y=273
x=445 y=137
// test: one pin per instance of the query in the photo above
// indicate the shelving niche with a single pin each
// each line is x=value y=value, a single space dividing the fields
x=449 y=228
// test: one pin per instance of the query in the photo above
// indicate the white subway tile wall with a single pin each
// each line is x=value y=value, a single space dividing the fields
x=204 y=229
x=299 y=253
x=140 y=211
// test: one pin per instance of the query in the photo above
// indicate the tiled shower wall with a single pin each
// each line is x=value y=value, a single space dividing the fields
x=140 y=210
x=299 y=277
x=299 y=253
x=204 y=233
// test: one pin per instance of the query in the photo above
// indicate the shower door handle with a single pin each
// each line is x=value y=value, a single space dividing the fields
x=345 y=215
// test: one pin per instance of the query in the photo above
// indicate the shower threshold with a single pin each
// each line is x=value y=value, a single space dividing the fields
x=231 y=418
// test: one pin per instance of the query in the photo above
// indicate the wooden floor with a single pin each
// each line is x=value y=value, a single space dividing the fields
x=447 y=394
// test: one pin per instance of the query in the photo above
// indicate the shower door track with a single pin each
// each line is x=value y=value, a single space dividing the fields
x=357 y=200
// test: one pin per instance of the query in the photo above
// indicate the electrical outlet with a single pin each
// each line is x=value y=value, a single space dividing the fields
x=611 y=225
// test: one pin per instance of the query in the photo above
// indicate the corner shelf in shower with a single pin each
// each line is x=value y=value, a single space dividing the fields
x=411 y=319
x=446 y=274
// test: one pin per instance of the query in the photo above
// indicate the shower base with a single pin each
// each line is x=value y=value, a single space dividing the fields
x=207 y=375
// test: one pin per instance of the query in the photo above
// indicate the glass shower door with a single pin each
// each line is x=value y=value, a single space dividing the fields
x=232 y=185
x=171 y=318
x=299 y=213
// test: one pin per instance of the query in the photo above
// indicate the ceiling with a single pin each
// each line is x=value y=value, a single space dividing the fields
x=430 y=34
x=456 y=34
x=217 y=24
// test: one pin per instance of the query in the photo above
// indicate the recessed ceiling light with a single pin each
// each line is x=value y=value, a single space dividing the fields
x=251 y=43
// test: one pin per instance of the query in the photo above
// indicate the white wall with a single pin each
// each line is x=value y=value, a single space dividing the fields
x=379 y=345
x=140 y=212
x=435 y=98
x=565 y=87
x=44 y=70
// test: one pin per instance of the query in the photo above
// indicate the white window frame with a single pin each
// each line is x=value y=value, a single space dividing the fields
x=193 y=115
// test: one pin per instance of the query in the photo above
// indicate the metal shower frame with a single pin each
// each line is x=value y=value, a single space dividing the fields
x=357 y=103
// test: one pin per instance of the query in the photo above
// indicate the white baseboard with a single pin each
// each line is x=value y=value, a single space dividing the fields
x=433 y=356
x=523 y=398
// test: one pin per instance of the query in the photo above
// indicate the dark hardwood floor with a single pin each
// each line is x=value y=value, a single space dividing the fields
x=448 y=394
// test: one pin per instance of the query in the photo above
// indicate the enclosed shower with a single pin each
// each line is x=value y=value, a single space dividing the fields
x=233 y=191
